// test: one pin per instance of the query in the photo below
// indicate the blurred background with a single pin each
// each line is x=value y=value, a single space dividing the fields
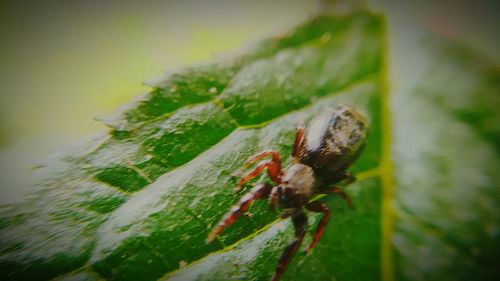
x=64 y=64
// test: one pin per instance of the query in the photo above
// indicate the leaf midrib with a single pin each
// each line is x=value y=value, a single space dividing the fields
x=386 y=165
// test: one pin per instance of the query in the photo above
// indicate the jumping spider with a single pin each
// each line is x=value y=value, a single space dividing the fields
x=321 y=154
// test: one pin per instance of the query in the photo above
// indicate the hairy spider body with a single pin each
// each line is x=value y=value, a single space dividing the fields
x=322 y=153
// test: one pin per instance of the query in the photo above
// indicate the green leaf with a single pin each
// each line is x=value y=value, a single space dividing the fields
x=138 y=203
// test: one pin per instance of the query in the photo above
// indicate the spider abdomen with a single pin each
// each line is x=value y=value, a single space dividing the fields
x=333 y=140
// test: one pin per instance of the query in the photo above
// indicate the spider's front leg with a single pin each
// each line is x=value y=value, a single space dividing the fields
x=273 y=167
x=260 y=191
x=300 y=223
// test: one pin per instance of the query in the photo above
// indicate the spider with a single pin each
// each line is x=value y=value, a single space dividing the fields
x=322 y=152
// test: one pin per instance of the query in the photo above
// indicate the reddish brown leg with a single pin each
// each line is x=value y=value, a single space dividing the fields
x=273 y=170
x=342 y=193
x=273 y=167
x=275 y=156
x=318 y=207
x=299 y=139
x=349 y=178
x=258 y=192
x=300 y=224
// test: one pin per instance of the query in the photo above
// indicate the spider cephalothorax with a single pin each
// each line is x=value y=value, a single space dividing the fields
x=321 y=155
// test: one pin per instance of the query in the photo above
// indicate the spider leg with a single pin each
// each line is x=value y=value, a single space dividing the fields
x=275 y=194
x=258 y=192
x=300 y=223
x=299 y=139
x=349 y=178
x=276 y=159
x=342 y=193
x=318 y=207
x=273 y=170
